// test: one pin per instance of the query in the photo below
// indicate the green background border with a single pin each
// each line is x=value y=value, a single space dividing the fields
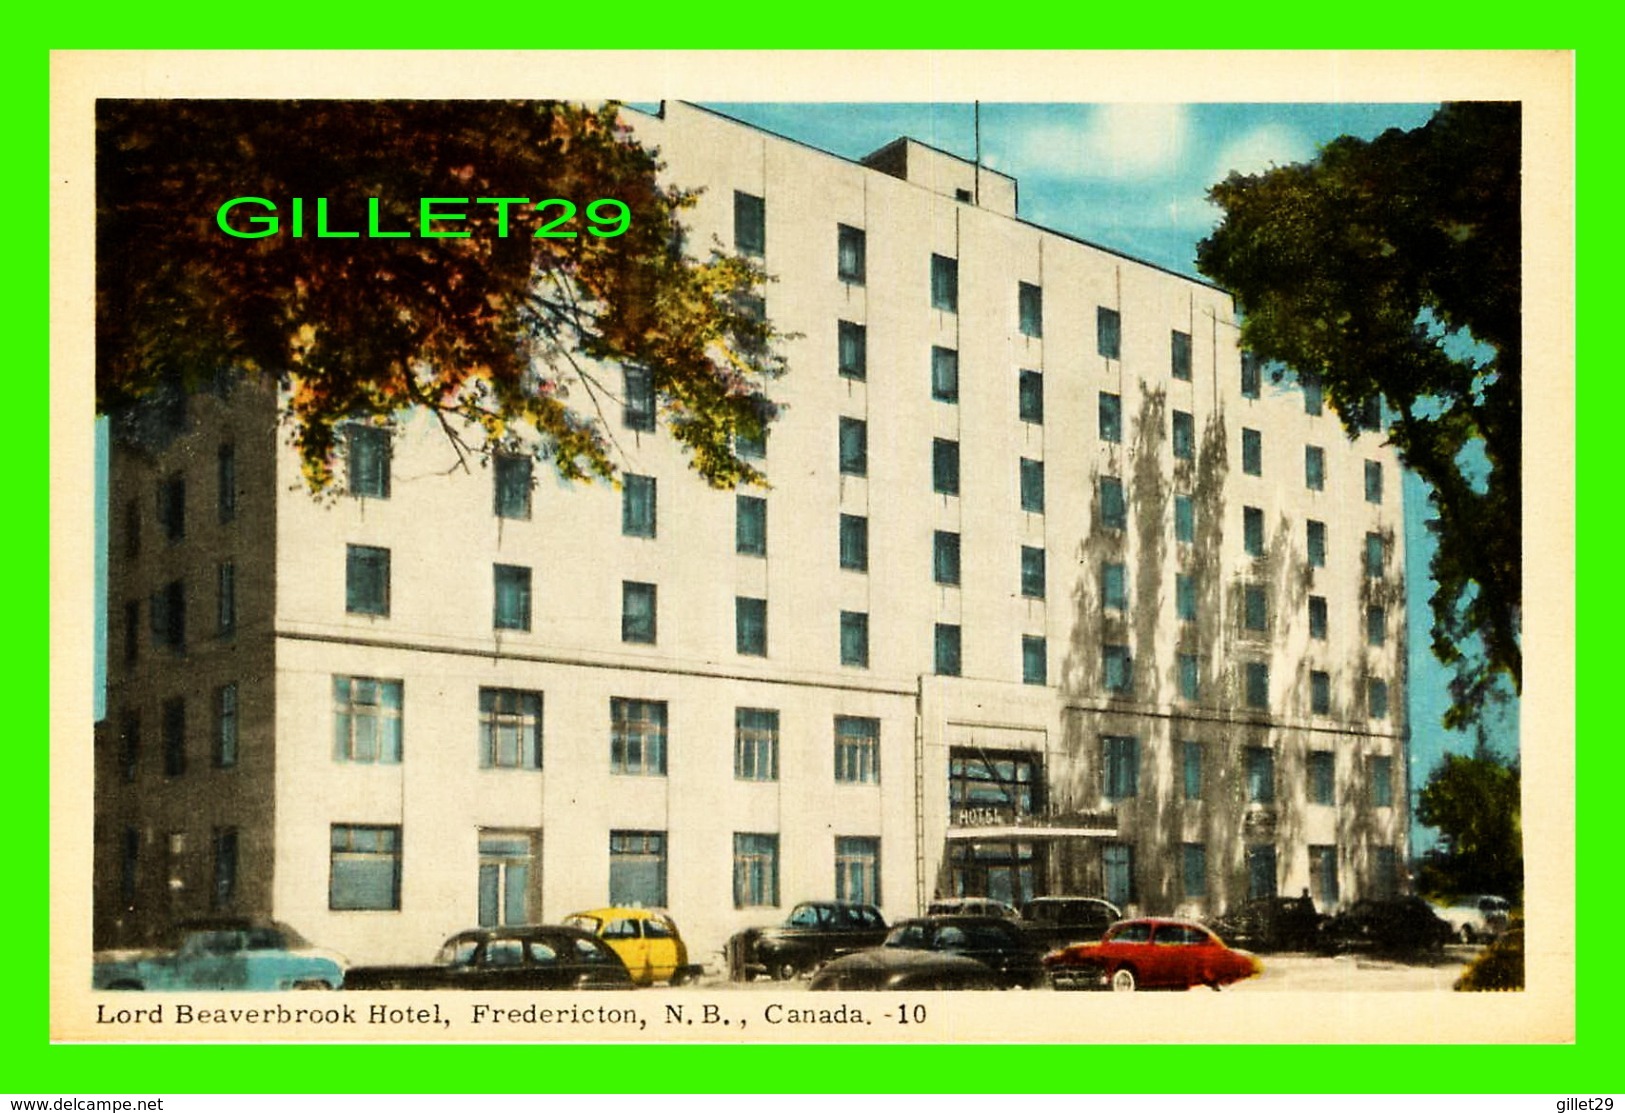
x=35 y=1066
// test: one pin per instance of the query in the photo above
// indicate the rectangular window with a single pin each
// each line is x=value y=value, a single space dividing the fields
x=226 y=483
x=172 y=507
x=944 y=374
x=225 y=726
x=1181 y=348
x=1320 y=693
x=750 y=626
x=1314 y=467
x=857 y=750
x=639 y=508
x=945 y=466
x=1258 y=685
x=1323 y=875
x=1250 y=377
x=1255 y=616
x=750 y=224
x=1030 y=308
x=756 y=744
x=1322 y=777
x=756 y=871
x=510 y=729
x=1190 y=677
x=225 y=598
x=638 y=408
x=852 y=350
x=1376 y=692
x=1184 y=436
x=1118 y=667
x=1034 y=660
x=637 y=737
x=1113 y=507
x=366 y=720
x=1373 y=481
x=1312 y=395
x=132 y=631
x=1252 y=530
x=1032 y=572
x=1120 y=764
x=638 y=612
x=851 y=250
x=854 y=446
x=1111 y=417
x=511 y=597
x=1370 y=413
x=1376 y=625
x=1108 y=333
x=167 y=615
x=945 y=558
x=1317 y=544
x=366 y=580
x=1260 y=775
x=750 y=525
x=1261 y=872
x=750 y=445
x=1252 y=452
x=1191 y=760
x=174 y=737
x=225 y=868
x=1382 y=782
x=1193 y=871
x=857 y=869
x=1385 y=873
x=1030 y=397
x=637 y=869
x=855 y=639
x=947 y=655
x=1375 y=554
x=368 y=450
x=1114 y=586
x=364 y=872
x=855 y=542
x=1184 y=519
x=1117 y=866
x=1317 y=617
x=1185 y=596
x=1032 y=486
x=507 y=864
x=510 y=489
x=945 y=284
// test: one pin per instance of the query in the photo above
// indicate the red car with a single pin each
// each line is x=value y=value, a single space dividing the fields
x=1150 y=954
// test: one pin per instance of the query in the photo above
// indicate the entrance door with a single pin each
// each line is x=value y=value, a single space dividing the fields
x=1005 y=871
x=508 y=878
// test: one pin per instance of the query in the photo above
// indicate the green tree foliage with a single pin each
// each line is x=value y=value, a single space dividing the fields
x=1474 y=802
x=511 y=336
x=1390 y=270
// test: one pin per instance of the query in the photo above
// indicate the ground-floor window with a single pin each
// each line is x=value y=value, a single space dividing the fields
x=1261 y=872
x=225 y=867
x=1007 y=871
x=1009 y=782
x=756 y=870
x=1193 y=872
x=1117 y=867
x=1385 y=873
x=1323 y=875
x=637 y=869
x=507 y=878
x=365 y=868
x=857 y=870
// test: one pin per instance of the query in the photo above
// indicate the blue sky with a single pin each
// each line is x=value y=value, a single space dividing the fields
x=1133 y=178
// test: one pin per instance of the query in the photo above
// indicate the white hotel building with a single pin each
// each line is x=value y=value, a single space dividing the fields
x=1050 y=594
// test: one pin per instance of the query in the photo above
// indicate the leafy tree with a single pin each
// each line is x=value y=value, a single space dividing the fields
x=1390 y=271
x=1474 y=802
x=492 y=329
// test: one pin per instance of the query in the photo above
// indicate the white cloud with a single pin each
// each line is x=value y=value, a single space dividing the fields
x=1111 y=141
x=1261 y=148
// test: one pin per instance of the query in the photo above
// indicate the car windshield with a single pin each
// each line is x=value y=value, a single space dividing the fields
x=913 y=936
x=1129 y=933
x=584 y=922
x=457 y=952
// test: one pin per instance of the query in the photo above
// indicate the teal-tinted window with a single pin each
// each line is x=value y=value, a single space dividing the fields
x=366 y=580
x=1260 y=775
x=756 y=744
x=750 y=525
x=1117 y=667
x=1373 y=481
x=852 y=354
x=1032 y=485
x=1108 y=333
x=854 y=542
x=944 y=283
x=1261 y=872
x=638 y=405
x=1317 y=617
x=1193 y=871
x=1030 y=305
x=1323 y=874
x=1120 y=765
x=1111 y=417
x=857 y=750
x=756 y=871
x=1252 y=452
x=945 y=557
x=1252 y=530
x=1314 y=467
x=1191 y=761
x=1322 y=777
x=1184 y=436
x=1257 y=675
x=750 y=626
x=511 y=609
x=1377 y=698
x=1375 y=554
x=1181 y=348
x=1253 y=607
x=368 y=450
x=1317 y=544
x=1312 y=395
x=1032 y=572
x=750 y=224
x=510 y=729
x=366 y=720
x=1376 y=625
x=1320 y=693
x=637 y=612
x=1185 y=596
x=1184 y=519
x=1113 y=506
x=511 y=489
x=1250 y=377
x=855 y=639
x=1114 y=586
x=637 y=869
x=850 y=251
x=854 y=446
x=947 y=650
x=857 y=869
x=944 y=374
x=1190 y=677
x=364 y=872
x=1382 y=782
x=637 y=737
x=945 y=466
x=1030 y=397
x=638 y=505
x=1034 y=660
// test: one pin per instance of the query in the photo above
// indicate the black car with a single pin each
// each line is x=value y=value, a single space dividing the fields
x=815 y=932
x=1053 y=922
x=1398 y=925
x=1271 y=924
x=898 y=969
x=999 y=945
x=534 y=956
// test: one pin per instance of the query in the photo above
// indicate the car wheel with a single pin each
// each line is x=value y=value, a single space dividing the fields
x=680 y=977
x=1123 y=980
x=1466 y=934
x=784 y=971
x=311 y=983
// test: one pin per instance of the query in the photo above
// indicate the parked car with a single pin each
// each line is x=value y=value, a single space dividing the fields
x=1151 y=954
x=1475 y=918
x=1400 y=924
x=972 y=906
x=993 y=941
x=1056 y=921
x=225 y=953
x=536 y=956
x=646 y=939
x=1271 y=924
x=899 y=969
x=814 y=932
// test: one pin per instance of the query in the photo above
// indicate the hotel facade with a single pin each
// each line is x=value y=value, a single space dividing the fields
x=1052 y=593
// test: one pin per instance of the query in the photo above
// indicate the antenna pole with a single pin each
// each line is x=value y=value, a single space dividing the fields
x=976 y=117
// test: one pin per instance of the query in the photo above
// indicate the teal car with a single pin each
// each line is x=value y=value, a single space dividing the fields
x=225 y=954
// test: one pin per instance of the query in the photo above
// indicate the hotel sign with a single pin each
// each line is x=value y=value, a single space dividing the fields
x=1050 y=821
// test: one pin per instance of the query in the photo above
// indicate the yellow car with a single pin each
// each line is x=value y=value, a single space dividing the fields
x=645 y=938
